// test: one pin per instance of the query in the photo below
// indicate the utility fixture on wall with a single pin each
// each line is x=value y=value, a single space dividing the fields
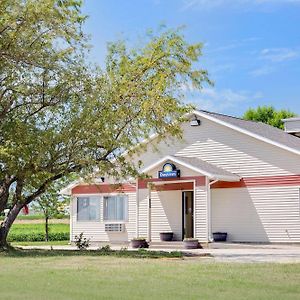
x=195 y=121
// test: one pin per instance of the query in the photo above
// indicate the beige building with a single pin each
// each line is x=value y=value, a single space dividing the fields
x=225 y=175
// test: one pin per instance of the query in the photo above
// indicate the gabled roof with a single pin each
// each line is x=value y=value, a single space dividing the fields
x=198 y=165
x=257 y=130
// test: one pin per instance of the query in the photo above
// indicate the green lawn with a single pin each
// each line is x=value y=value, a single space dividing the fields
x=50 y=243
x=100 y=277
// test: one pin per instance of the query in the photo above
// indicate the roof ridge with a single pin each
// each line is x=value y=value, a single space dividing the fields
x=233 y=117
x=241 y=119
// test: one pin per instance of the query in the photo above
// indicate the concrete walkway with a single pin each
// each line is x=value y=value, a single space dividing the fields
x=220 y=252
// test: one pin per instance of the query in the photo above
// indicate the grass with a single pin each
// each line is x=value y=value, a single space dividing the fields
x=22 y=228
x=36 y=217
x=50 y=243
x=90 y=276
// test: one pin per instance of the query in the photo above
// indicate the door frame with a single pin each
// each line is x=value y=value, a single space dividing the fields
x=183 y=212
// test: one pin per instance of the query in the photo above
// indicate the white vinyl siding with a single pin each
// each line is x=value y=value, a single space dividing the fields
x=257 y=214
x=228 y=149
x=200 y=214
x=166 y=214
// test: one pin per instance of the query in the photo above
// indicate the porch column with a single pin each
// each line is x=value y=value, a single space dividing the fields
x=201 y=210
x=149 y=213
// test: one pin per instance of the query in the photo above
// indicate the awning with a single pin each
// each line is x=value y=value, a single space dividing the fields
x=198 y=165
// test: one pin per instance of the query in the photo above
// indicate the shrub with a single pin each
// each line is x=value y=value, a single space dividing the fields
x=81 y=242
x=37 y=236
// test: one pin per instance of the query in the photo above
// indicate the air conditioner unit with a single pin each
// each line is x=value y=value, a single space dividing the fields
x=114 y=227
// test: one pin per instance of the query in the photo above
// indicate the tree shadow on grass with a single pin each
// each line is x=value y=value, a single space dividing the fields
x=141 y=253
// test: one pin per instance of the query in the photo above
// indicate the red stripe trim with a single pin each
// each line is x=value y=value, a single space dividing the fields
x=142 y=183
x=174 y=186
x=260 y=181
x=103 y=188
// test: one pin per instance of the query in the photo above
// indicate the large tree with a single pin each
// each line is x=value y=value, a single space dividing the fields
x=268 y=115
x=81 y=119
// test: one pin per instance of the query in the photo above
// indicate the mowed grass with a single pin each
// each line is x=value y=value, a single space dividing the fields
x=44 y=243
x=100 y=277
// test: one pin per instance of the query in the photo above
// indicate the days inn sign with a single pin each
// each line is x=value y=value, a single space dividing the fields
x=169 y=171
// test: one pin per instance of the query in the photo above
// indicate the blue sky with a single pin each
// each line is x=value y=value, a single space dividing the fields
x=251 y=47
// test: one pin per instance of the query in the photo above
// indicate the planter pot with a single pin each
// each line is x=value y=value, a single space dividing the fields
x=220 y=236
x=139 y=244
x=166 y=236
x=191 y=244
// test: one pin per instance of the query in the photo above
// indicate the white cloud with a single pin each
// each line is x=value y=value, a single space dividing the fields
x=279 y=54
x=261 y=71
x=210 y=4
x=221 y=100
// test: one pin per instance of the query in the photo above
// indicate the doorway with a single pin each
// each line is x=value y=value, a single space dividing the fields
x=187 y=214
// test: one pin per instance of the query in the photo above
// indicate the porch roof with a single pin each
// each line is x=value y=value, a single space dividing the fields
x=211 y=171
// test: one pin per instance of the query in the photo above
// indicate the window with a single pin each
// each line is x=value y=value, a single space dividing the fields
x=115 y=208
x=88 y=209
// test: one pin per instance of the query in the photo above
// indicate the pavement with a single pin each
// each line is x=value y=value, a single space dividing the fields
x=219 y=252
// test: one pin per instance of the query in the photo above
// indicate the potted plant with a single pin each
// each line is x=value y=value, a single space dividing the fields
x=191 y=243
x=166 y=236
x=220 y=236
x=139 y=243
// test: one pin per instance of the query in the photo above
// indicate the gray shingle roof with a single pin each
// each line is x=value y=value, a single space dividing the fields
x=261 y=129
x=200 y=164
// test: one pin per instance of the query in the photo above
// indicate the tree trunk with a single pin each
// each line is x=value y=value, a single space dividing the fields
x=47 y=229
x=6 y=224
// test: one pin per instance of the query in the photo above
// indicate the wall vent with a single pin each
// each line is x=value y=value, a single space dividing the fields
x=114 y=227
x=292 y=126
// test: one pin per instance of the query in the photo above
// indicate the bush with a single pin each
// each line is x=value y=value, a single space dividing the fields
x=36 y=232
x=37 y=236
x=81 y=242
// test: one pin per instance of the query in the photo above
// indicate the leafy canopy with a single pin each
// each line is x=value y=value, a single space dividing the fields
x=268 y=115
x=60 y=116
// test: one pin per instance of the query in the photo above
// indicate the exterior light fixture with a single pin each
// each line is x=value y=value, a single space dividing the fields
x=195 y=121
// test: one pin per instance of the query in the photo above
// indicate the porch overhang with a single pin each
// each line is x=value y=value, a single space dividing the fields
x=211 y=171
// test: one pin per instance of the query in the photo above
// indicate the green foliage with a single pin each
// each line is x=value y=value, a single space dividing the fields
x=81 y=242
x=268 y=115
x=35 y=232
x=61 y=116
x=38 y=236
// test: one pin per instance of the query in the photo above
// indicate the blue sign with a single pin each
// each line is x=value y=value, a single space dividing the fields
x=169 y=171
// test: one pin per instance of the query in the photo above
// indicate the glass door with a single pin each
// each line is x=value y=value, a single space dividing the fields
x=188 y=214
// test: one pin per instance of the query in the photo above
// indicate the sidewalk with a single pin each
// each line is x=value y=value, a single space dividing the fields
x=240 y=253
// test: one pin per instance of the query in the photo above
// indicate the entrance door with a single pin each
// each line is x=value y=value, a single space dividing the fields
x=188 y=214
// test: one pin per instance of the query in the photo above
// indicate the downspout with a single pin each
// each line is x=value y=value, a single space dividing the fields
x=137 y=207
x=209 y=214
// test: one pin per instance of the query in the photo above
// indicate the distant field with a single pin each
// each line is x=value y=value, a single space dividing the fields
x=35 y=217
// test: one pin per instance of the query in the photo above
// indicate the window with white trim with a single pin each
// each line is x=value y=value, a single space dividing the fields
x=88 y=208
x=115 y=208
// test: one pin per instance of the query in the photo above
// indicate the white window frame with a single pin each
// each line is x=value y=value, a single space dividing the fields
x=101 y=198
x=88 y=196
x=125 y=220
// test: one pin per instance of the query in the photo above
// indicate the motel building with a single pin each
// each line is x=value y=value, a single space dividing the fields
x=225 y=175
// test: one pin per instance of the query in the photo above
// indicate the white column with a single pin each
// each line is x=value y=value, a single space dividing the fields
x=208 y=198
x=149 y=213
